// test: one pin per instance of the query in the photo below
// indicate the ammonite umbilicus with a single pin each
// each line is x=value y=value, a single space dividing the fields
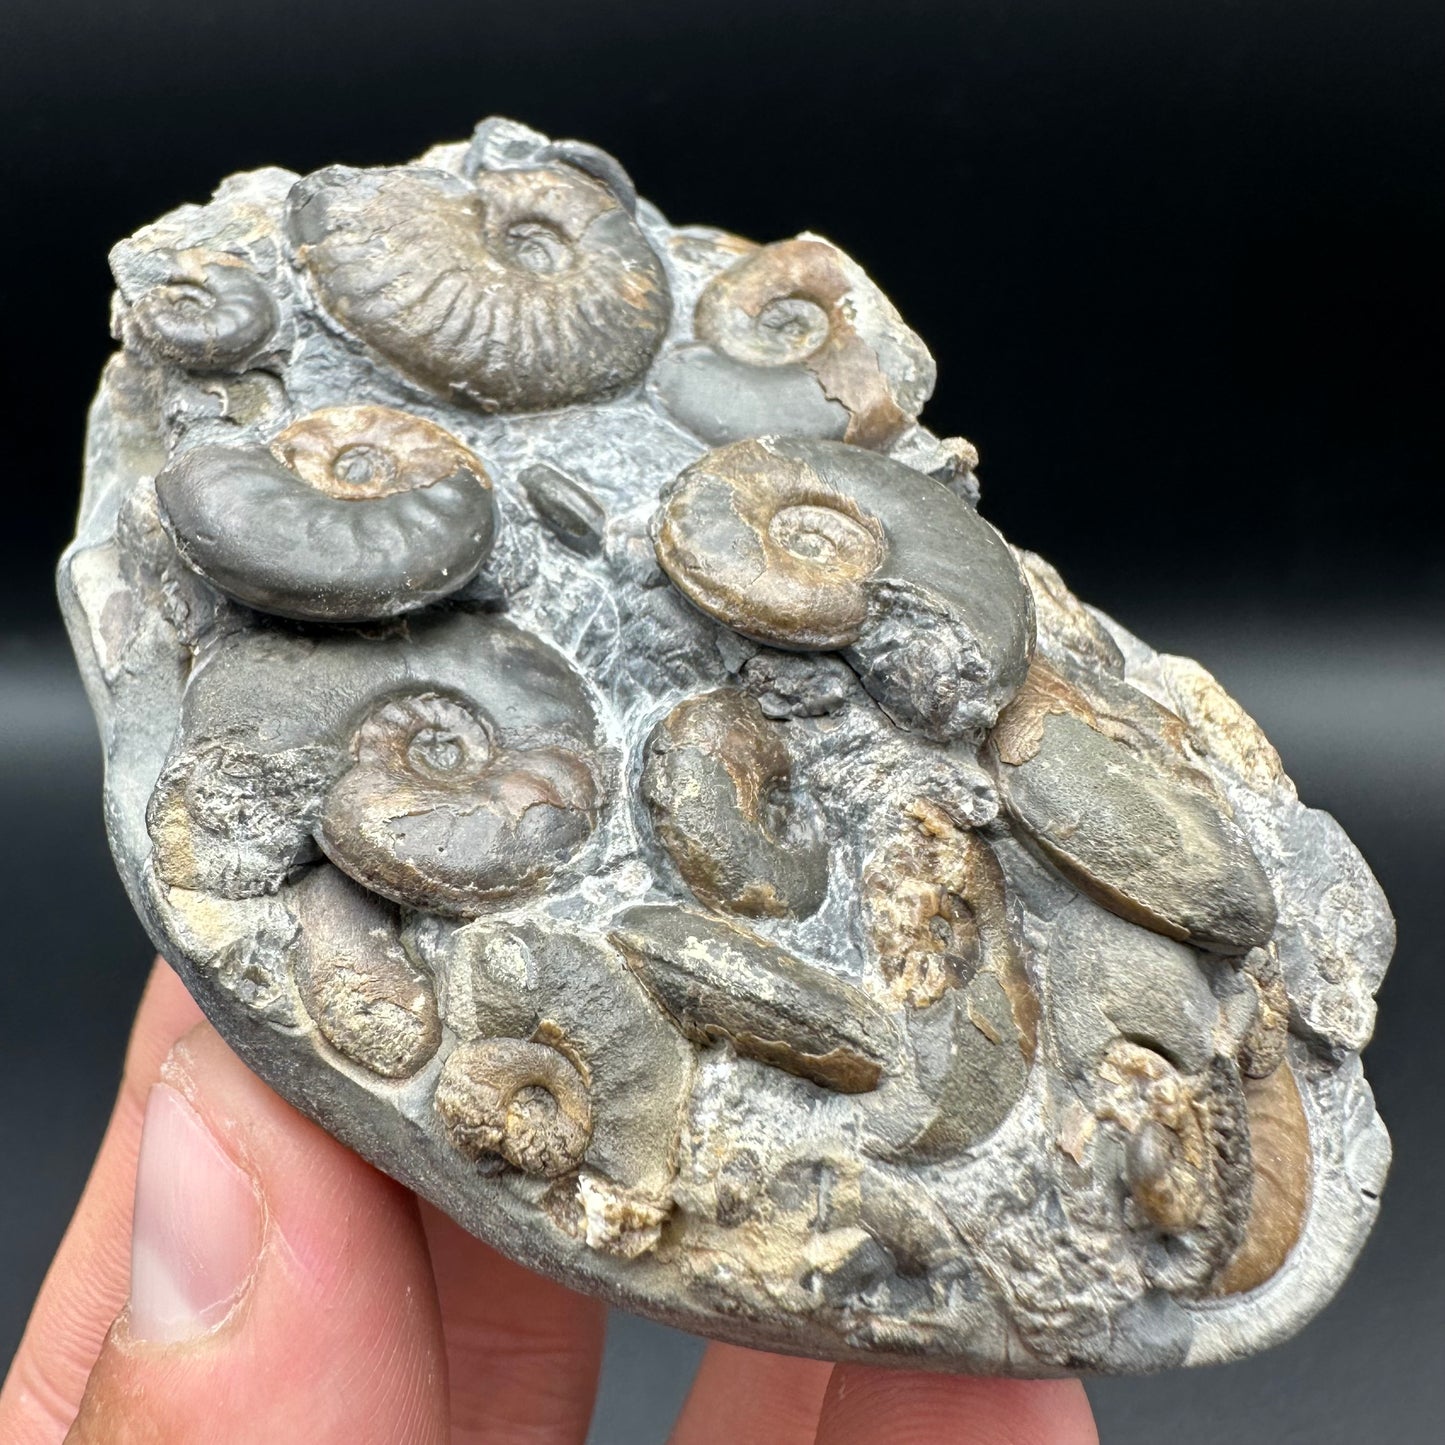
x=572 y=729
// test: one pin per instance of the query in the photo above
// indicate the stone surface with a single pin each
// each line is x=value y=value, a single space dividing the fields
x=571 y=728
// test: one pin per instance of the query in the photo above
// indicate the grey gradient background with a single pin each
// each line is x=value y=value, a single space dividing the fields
x=1179 y=265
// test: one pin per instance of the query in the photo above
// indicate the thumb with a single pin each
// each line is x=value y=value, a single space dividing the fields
x=280 y=1289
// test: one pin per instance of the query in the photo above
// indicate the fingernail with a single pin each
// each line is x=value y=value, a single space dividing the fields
x=197 y=1230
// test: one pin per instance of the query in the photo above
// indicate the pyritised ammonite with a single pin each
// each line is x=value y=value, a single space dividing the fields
x=571 y=727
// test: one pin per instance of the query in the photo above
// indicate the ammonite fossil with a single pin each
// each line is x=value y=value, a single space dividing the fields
x=571 y=727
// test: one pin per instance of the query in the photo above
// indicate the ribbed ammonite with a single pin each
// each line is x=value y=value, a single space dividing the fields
x=573 y=729
x=516 y=290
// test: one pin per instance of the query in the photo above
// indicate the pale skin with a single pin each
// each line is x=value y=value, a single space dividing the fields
x=233 y=1274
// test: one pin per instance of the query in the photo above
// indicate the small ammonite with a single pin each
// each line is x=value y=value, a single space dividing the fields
x=520 y=1100
x=520 y=290
x=354 y=513
x=795 y=340
x=213 y=313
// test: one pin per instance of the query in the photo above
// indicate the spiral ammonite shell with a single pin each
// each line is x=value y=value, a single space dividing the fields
x=354 y=513
x=213 y=313
x=437 y=813
x=820 y=545
x=521 y=291
x=718 y=782
x=487 y=1096
x=797 y=341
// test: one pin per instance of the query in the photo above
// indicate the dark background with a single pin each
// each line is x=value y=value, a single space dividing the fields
x=1179 y=265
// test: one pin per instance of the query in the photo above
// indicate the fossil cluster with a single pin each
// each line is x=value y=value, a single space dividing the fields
x=571 y=728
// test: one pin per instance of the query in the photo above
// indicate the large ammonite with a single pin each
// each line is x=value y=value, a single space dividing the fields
x=448 y=765
x=520 y=291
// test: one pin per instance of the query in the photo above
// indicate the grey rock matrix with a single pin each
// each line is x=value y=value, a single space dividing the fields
x=572 y=730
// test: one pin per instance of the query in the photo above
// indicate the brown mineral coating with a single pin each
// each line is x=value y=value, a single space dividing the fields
x=435 y=814
x=354 y=514
x=213 y=313
x=487 y=1096
x=519 y=291
x=1279 y=1192
x=937 y=913
x=359 y=452
x=1064 y=621
x=794 y=304
x=1264 y=1045
x=1121 y=828
x=720 y=982
x=1186 y=1155
x=367 y=998
x=718 y=782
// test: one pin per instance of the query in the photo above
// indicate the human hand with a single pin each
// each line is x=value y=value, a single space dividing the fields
x=234 y=1275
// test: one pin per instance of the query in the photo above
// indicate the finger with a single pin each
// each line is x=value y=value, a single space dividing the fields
x=869 y=1406
x=748 y=1395
x=522 y=1353
x=279 y=1287
x=86 y=1284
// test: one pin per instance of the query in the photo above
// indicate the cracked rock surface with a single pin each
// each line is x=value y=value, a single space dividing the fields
x=574 y=732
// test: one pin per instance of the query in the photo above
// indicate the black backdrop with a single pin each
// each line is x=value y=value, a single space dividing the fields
x=1179 y=266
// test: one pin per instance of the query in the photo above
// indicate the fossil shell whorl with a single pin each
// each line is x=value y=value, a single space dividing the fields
x=355 y=513
x=1186 y=1160
x=266 y=734
x=820 y=545
x=522 y=291
x=523 y=1101
x=759 y=539
x=803 y=306
x=545 y=982
x=434 y=812
x=367 y=998
x=213 y=313
x=719 y=981
x=1099 y=805
x=936 y=909
x=1279 y=1142
x=718 y=783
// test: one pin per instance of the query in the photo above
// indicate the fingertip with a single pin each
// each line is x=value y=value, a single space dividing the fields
x=865 y=1405
x=279 y=1285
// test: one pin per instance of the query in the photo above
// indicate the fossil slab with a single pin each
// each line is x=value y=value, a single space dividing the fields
x=573 y=731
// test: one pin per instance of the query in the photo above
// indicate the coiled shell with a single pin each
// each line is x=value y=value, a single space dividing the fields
x=354 y=514
x=369 y=1000
x=213 y=313
x=444 y=725
x=795 y=340
x=545 y=982
x=522 y=291
x=523 y=1101
x=821 y=545
x=1098 y=804
x=437 y=813
x=718 y=782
